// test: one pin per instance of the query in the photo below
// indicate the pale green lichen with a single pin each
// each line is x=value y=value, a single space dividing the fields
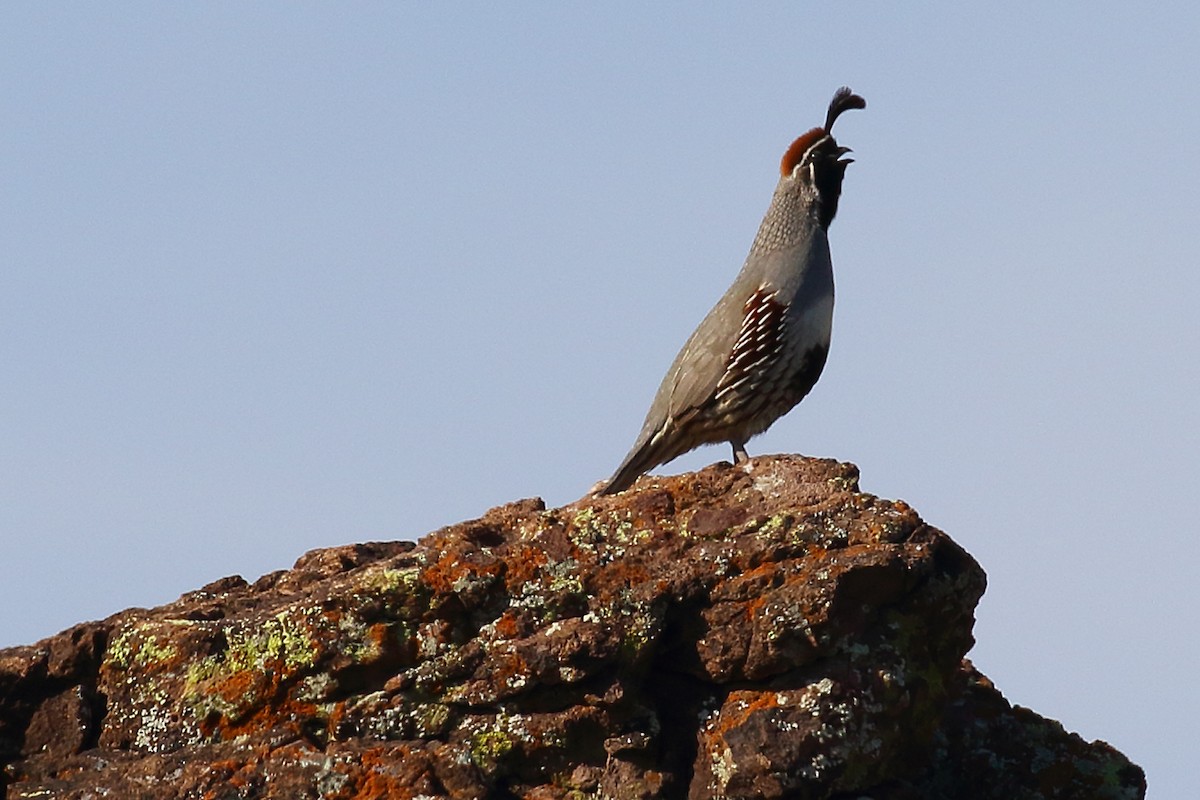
x=585 y=532
x=724 y=766
x=493 y=738
x=391 y=580
x=151 y=650
x=533 y=528
x=137 y=647
x=775 y=525
x=205 y=705
x=471 y=584
x=844 y=484
x=554 y=583
x=329 y=781
x=280 y=640
x=637 y=622
x=488 y=747
x=365 y=643
x=579 y=794
x=159 y=728
x=432 y=719
x=625 y=534
x=276 y=649
x=639 y=629
x=316 y=687
x=563 y=576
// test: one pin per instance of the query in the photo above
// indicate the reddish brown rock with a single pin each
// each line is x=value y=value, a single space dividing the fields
x=760 y=632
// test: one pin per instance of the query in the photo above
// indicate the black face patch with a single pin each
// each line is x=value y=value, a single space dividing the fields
x=827 y=175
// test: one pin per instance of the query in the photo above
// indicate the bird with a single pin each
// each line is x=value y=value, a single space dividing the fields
x=762 y=347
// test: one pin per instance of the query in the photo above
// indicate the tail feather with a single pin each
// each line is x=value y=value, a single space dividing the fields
x=647 y=454
x=632 y=468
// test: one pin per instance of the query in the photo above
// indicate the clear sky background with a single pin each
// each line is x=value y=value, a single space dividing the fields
x=287 y=276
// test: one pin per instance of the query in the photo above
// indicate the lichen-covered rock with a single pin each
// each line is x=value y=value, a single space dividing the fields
x=766 y=631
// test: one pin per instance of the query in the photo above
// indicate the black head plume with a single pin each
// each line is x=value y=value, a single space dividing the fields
x=843 y=100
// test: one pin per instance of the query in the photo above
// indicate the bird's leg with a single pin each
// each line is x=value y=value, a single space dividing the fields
x=739 y=451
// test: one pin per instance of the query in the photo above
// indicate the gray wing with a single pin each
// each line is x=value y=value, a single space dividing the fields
x=689 y=385
x=692 y=381
x=741 y=331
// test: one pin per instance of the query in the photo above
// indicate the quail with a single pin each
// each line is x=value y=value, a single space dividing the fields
x=762 y=347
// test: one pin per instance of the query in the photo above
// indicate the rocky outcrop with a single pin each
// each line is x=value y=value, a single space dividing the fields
x=766 y=631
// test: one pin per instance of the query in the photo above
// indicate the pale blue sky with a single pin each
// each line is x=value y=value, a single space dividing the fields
x=286 y=276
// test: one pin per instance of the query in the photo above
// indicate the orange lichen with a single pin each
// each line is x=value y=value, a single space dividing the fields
x=740 y=705
x=507 y=626
x=523 y=565
x=452 y=566
x=399 y=772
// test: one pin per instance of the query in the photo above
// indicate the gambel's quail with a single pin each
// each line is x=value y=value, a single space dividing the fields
x=762 y=347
